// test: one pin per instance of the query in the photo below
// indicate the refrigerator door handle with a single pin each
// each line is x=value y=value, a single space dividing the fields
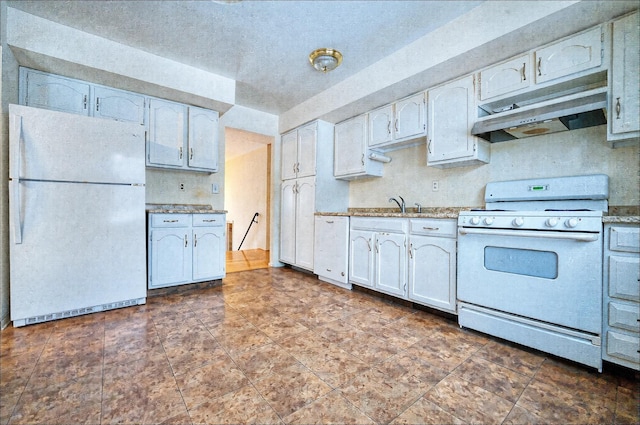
x=14 y=193
x=15 y=146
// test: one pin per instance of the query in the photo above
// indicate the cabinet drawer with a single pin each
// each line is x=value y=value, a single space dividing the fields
x=625 y=239
x=624 y=316
x=170 y=220
x=624 y=277
x=200 y=220
x=623 y=346
x=398 y=225
x=433 y=227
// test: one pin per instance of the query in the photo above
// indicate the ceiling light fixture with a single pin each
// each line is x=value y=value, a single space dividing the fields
x=325 y=60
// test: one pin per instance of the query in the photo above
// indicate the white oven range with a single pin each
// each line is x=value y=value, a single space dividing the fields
x=530 y=265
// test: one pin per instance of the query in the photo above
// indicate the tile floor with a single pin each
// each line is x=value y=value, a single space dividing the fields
x=275 y=346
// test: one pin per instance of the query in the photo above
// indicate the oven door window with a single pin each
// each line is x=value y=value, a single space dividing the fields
x=521 y=261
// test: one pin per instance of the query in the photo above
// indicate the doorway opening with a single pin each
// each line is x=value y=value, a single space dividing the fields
x=247 y=199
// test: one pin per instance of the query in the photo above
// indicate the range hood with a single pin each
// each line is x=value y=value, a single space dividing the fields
x=580 y=110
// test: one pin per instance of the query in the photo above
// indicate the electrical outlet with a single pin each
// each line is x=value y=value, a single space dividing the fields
x=182 y=187
x=435 y=185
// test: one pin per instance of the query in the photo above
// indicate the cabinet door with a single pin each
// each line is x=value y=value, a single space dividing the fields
x=391 y=263
x=432 y=272
x=307 y=137
x=380 y=126
x=208 y=253
x=289 y=158
x=505 y=78
x=361 y=257
x=118 y=105
x=203 y=139
x=305 y=210
x=48 y=91
x=625 y=79
x=567 y=57
x=166 y=133
x=170 y=257
x=450 y=121
x=350 y=146
x=288 y=222
x=410 y=117
x=331 y=248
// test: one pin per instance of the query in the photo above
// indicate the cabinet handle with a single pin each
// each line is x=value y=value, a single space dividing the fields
x=169 y=221
x=429 y=147
x=395 y=125
x=84 y=102
x=430 y=228
x=186 y=242
x=389 y=127
x=190 y=153
x=617 y=108
x=411 y=251
x=328 y=270
x=97 y=103
x=195 y=240
x=369 y=244
x=180 y=150
x=362 y=159
x=330 y=221
x=539 y=67
x=524 y=71
x=212 y=220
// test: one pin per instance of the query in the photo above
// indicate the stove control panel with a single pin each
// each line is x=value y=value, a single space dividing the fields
x=572 y=221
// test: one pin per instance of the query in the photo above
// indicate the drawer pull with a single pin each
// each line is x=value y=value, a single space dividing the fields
x=169 y=221
x=212 y=220
x=329 y=221
x=431 y=228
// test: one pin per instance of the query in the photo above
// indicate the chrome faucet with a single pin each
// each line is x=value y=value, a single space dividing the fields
x=419 y=207
x=400 y=205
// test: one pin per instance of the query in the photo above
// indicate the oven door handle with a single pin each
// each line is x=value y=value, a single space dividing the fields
x=579 y=237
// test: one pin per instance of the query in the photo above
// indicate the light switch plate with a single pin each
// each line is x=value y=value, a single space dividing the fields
x=215 y=188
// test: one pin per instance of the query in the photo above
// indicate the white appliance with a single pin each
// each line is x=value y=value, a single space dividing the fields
x=76 y=214
x=530 y=266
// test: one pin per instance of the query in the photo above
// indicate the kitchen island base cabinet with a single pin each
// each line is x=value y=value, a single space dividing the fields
x=185 y=248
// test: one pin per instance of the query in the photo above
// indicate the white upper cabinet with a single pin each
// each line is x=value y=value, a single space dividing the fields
x=167 y=133
x=452 y=112
x=42 y=90
x=380 y=126
x=398 y=125
x=624 y=109
x=203 y=139
x=299 y=152
x=505 y=77
x=572 y=55
x=351 y=154
x=118 y=105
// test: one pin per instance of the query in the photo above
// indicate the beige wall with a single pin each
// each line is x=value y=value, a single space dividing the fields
x=576 y=152
x=246 y=192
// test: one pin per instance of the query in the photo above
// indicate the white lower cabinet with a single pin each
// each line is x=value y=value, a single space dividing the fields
x=432 y=263
x=378 y=254
x=331 y=250
x=621 y=309
x=185 y=248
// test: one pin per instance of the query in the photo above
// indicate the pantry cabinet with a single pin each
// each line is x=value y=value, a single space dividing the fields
x=621 y=309
x=48 y=91
x=432 y=263
x=185 y=248
x=303 y=195
x=624 y=82
x=351 y=153
x=331 y=249
x=451 y=115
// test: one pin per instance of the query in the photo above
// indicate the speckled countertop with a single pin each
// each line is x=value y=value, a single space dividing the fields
x=182 y=208
x=621 y=215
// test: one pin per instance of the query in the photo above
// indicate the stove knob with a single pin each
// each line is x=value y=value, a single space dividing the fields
x=474 y=220
x=551 y=222
x=571 y=223
x=488 y=221
x=518 y=221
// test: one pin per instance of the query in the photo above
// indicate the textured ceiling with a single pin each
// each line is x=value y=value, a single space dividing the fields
x=263 y=45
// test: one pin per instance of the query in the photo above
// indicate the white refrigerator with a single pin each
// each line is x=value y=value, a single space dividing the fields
x=76 y=215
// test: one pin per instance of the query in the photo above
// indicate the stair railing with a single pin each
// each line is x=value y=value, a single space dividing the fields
x=253 y=220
